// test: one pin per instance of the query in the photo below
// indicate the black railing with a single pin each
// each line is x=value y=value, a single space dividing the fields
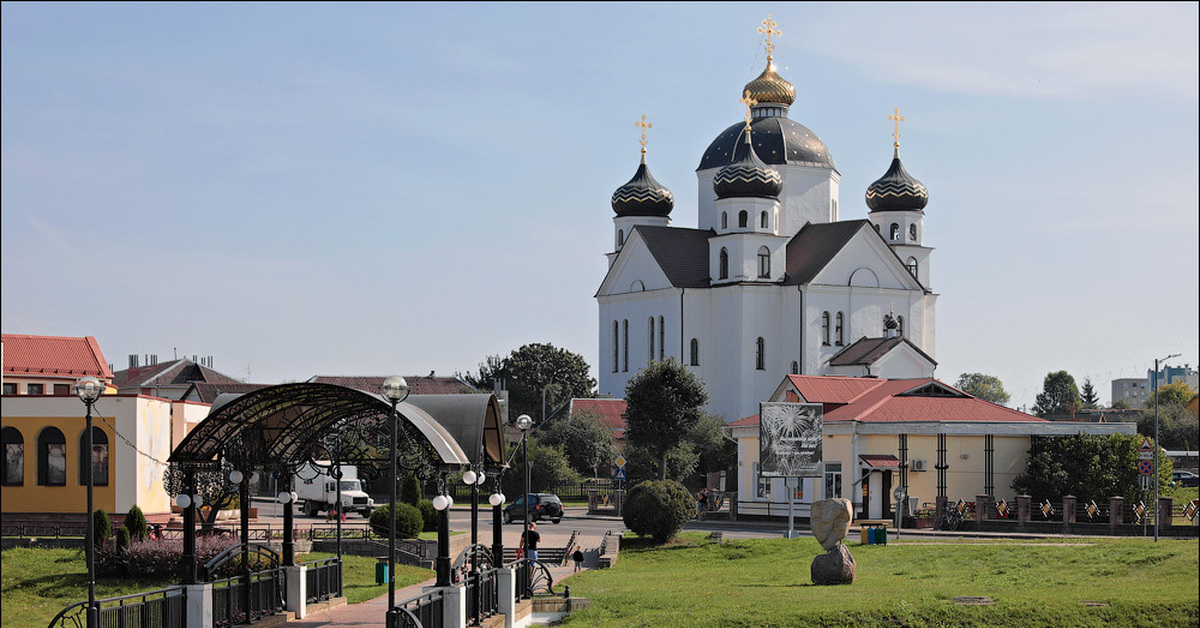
x=424 y=610
x=163 y=608
x=323 y=580
x=266 y=597
x=483 y=595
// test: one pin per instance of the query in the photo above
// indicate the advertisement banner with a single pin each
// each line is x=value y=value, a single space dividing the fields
x=789 y=439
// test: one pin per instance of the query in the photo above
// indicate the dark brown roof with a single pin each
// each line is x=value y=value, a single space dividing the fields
x=417 y=384
x=173 y=373
x=868 y=350
x=681 y=253
x=814 y=246
x=204 y=392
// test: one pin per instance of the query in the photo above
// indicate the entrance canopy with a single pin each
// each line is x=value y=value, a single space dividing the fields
x=881 y=462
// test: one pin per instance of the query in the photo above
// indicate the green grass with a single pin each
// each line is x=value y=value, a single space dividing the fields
x=766 y=582
x=38 y=583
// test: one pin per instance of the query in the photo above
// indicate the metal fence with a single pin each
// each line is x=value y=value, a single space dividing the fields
x=483 y=594
x=323 y=580
x=424 y=610
x=266 y=595
x=163 y=608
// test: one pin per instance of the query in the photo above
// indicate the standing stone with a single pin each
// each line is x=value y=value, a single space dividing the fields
x=834 y=567
x=830 y=521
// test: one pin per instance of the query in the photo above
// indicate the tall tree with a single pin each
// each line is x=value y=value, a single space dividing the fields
x=1059 y=394
x=1088 y=466
x=584 y=438
x=1088 y=395
x=531 y=371
x=985 y=387
x=1177 y=393
x=662 y=405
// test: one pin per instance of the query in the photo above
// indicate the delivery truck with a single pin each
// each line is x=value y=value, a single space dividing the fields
x=316 y=486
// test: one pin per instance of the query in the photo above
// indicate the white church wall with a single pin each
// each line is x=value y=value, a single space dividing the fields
x=809 y=195
x=636 y=308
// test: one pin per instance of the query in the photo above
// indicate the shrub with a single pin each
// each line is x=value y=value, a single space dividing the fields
x=408 y=520
x=160 y=558
x=101 y=526
x=122 y=539
x=410 y=490
x=135 y=523
x=429 y=514
x=658 y=509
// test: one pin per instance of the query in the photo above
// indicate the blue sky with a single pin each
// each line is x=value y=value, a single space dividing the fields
x=400 y=188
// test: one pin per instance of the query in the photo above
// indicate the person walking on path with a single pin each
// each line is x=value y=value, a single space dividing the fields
x=577 y=556
x=701 y=503
x=529 y=541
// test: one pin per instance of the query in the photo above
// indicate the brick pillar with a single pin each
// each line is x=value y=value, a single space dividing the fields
x=1068 y=513
x=593 y=500
x=1116 y=513
x=1164 y=513
x=983 y=508
x=1023 y=502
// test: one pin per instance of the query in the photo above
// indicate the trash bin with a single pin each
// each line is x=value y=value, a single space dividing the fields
x=381 y=570
x=866 y=535
x=871 y=533
x=881 y=535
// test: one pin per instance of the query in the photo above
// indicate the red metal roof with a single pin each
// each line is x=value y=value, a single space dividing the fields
x=746 y=422
x=828 y=389
x=54 y=356
x=880 y=461
x=610 y=411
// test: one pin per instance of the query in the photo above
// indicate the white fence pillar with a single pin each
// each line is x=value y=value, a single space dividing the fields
x=297 y=590
x=454 y=607
x=199 y=605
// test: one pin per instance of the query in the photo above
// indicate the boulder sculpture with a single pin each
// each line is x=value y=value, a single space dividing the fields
x=830 y=523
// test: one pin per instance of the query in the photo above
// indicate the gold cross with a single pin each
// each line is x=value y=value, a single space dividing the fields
x=768 y=27
x=749 y=101
x=645 y=125
x=897 y=119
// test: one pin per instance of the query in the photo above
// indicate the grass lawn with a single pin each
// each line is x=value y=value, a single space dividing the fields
x=766 y=582
x=38 y=583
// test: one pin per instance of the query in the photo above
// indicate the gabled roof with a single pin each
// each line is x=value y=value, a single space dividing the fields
x=814 y=246
x=204 y=392
x=867 y=351
x=417 y=384
x=681 y=253
x=829 y=389
x=54 y=356
x=176 y=373
x=611 y=412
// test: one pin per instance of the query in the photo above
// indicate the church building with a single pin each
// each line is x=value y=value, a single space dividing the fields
x=771 y=281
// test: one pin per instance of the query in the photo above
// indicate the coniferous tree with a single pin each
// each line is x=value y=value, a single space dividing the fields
x=1088 y=395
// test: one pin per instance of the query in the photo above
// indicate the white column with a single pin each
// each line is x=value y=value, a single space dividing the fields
x=297 y=591
x=454 y=607
x=199 y=604
x=507 y=593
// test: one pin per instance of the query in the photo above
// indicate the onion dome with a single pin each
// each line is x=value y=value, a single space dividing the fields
x=643 y=195
x=897 y=190
x=747 y=175
x=769 y=87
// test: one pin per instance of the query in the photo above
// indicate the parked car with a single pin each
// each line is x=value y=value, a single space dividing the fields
x=541 y=506
x=1185 y=478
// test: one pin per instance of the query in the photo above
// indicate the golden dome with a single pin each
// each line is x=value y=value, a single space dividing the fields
x=769 y=87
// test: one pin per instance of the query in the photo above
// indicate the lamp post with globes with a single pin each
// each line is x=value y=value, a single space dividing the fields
x=524 y=422
x=474 y=479
x=1157 y=457
x=89 y=390
x=395 y=388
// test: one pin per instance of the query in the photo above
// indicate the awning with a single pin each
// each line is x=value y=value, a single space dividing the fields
x=881 y=462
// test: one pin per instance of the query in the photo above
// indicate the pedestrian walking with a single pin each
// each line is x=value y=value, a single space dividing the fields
x=577 y=556
x=529 y=541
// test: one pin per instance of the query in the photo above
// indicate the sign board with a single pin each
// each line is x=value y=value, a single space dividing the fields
x=790 y=439
x=899 y=494
x=619 y=474
x=1147 y=444
x=1145 y=455
x=620 y=460
x=1146 y=467
x=1145 y=482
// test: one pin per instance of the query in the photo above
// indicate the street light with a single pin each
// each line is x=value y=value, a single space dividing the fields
x=523 y=424
x=396 y=390
x=89 y=389
x=1156 y=448
x=475 y=480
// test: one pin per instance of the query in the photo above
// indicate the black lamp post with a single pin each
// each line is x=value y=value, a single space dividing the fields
x=524 y=422
x=396 y=390
x=1156 y=449
x=474 y=479
x=89 y=390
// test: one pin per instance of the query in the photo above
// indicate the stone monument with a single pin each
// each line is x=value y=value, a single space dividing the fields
x=830 y=522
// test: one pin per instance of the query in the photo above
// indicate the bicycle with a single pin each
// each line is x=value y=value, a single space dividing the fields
x=951 y=520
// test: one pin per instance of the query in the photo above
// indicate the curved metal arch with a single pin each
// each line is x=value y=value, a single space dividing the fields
x=283 y=424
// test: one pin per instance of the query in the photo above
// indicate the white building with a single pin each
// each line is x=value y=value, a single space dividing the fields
x=771 y=281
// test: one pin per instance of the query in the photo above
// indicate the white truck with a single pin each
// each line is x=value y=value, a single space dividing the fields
x=318 y=489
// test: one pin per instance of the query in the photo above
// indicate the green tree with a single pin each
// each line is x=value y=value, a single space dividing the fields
x=714 y=451
x=1177 y=428
x=101 y=526
x=662 y=405
x=1177 y=393
x=1088 y=395
x=135 y=522
x=658 y=510
x=985 y=387
x=531 y=371
x=585 y=439
x=410 y=490
x=549 y=468
x=1120 y=404
x=1088 y=466
x=1059 y=394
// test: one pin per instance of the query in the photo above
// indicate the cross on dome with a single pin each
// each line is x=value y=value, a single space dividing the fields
x=644 y=125
x=896 y=118
x=749 y=101
x=768 y=28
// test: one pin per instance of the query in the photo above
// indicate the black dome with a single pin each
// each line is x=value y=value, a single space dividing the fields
x=643 y=195
x=748 y=176
x=896 y=190
x=777 y=140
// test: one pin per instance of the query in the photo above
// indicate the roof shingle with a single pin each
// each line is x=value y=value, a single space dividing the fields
x=54 y=356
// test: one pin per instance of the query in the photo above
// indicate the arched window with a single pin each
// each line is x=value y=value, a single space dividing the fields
x=760 y=354
x=616 y=346
x=724 y=220
x=840 y=332
x=723 y=269
x=662 y=337
x=762 y=220
x=695 y=361
x=825 y=328
x=876 y=228
x=895 y=231
x=625 y=345
x=98 y=459
x=911 y=265
x=764 y=262
x=743 y=219
x=912 y=232
x=14 y=457
x=795 y=367
x=52 y=457
x=651 y=336
x=620 y=237
x=900 y=326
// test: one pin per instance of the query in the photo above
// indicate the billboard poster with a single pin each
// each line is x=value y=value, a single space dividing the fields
x=789 y=439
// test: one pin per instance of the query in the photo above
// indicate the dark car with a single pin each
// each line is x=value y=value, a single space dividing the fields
x=541 y=506
x=1185 y=478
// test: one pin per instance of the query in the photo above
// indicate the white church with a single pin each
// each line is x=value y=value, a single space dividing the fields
x=771 y=282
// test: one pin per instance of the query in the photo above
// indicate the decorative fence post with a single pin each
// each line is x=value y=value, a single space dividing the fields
x=1023 y=502
x=1116 y=513
x=983 y=508
x=593 y=500
x=1068 y=513
x=1165 y=504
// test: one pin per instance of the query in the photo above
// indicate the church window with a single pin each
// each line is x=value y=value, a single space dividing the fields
x=895 y=232
x=762 y=220
x=14 y=457
x=900 y=326
x=876 y=228
x=98 y=458
x=833 y=203
x=625 y=345
x=743 y=219
x=724 y=265
x=616 y=346
x=840 y=332
x=724 y=220
x=912 y=232
x=760 y=354
x=911 y=265
x=52 y=458
x=795 y=367
x=620 y=237
x=825 y=328
x=662 y=337
x=651 y=357
x=695 y=361
x=764 y=262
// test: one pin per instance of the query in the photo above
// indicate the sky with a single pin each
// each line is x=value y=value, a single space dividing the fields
x=301 y=189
